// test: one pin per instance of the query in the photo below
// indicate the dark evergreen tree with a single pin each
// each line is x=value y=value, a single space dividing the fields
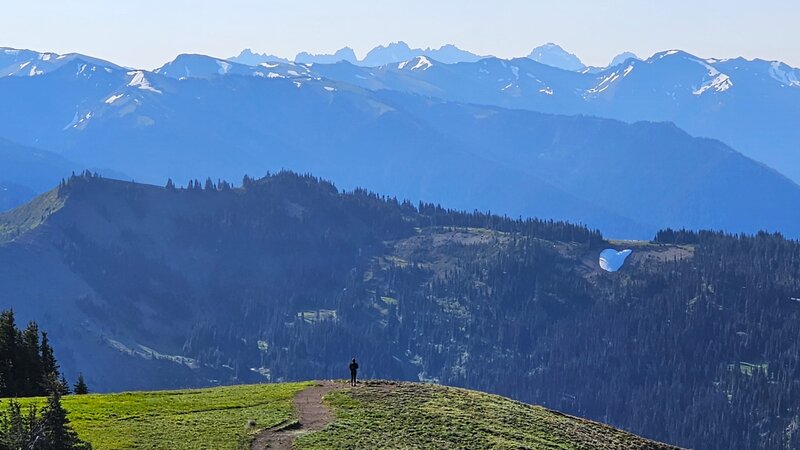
x=49 y=364
x=63 y=386
x=28 y=363
x=57 y=434
x=9 y=354
x=80 y=386
x=31 y=361
x=18 y=429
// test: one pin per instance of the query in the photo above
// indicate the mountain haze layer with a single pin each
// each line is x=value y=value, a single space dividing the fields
x=555 y=56
x=199 y=117
x=391 y=53
x=750 y=105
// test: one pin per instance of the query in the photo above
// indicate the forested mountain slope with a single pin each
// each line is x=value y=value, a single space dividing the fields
x=693 y=341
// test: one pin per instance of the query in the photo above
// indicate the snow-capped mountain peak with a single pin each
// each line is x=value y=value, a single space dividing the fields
x=17 y=62
x=417 y=63
x=201 y=66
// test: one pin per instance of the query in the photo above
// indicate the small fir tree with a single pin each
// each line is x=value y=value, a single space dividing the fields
x=80 y=386
x=56 y=432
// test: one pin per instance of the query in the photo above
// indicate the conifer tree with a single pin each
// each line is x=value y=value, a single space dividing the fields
x=31 y=361
x=49 y=364
x=9 y=353
x=57 y=434
x=80 y=386
x=18 y=430
x=63 y=385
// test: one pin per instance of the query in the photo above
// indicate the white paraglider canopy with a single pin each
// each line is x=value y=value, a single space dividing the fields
x=611 y=260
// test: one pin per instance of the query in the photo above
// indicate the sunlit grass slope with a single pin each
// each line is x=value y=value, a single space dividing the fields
x=374 y=415
x=421 y=416
x=215 y=418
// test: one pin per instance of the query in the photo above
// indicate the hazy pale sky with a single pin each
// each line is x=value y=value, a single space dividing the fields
x=147 y=33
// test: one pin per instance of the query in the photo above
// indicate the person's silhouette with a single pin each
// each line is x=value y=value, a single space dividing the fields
x=353 y=372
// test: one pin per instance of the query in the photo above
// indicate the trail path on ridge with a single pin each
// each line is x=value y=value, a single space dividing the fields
x=312 y=415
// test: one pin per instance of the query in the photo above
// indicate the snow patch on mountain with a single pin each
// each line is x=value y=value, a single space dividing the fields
x=627 y=70
x=141 y=351
x=113 y=98
x=605 y=83
x=140 y=82
x=420 y=63
x=224 y=67
x=668 y=53
x=784 y=74
x=78 y=121
x=423 y=63
x=83 y=120
x=720 y=83
x=715 y=80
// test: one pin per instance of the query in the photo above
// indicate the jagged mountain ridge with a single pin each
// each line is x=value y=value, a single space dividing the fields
x=627 y=179
x=750 y=105
x=396 y=52
x=391 y=53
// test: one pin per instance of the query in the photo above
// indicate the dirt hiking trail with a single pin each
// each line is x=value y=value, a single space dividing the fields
x=312 y=415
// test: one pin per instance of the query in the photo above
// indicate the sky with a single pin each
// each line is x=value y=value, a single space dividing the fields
x=147 y=33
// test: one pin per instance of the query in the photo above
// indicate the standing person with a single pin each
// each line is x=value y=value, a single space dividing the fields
x=353 y=372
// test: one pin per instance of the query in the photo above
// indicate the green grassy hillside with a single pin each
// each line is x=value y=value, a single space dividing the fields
x=214 y=418
x=375 y=415
x=424 y=416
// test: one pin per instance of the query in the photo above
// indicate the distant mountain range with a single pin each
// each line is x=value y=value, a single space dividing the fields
x=458 y=134
x=378 y=56
x=27 y=171
x=549 y=54
x=751 y=105
x=395 y=52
